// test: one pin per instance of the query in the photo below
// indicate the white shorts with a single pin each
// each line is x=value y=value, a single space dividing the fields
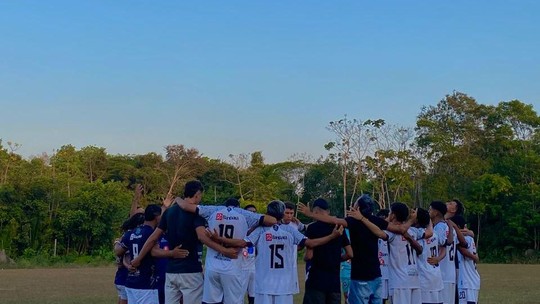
x=273 y=299
x=449 y=293
x=188 y=286
x=432 y=296
x=226 y=288
x=467 y=295
x=121 y=289
x=385 y=292
x=249 y=283
x=406 y=295
x=142 y=296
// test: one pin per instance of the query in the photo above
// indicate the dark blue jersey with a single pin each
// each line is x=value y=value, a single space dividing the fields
x=144 y=277
x=161 y=263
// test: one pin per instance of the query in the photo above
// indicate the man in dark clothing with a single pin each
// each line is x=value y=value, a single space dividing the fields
x=322 y=284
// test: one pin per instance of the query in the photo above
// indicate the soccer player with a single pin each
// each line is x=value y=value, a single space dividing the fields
x=224 y=280
x=186 y=230
x=469 y=278
x=403 y=249
x=383 y=259
x=141 y=284
x=275 y=275
x=365 y=229
x=248 y=265
x=429 y=272
x=322 y=283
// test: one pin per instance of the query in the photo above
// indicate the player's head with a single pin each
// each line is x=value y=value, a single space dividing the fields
x=251 y=208
x=232 y=202
x=383 y=213
x=437 y=209
x=152 y=212
x=422 y=217
x=193 y=190
x=399 y=211
x=276 y=209
x=289 y=212
x=365 y=204
x=320 y=205
x=136 y=220
x=459 y=221
x=455 y=207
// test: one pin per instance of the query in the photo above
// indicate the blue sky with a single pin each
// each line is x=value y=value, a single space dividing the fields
x=242 y=76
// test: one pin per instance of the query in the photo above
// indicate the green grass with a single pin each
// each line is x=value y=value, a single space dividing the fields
x=500 y=284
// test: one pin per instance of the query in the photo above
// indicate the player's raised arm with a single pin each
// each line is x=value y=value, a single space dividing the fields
x=356 y=214
x=326 y=218
x=136 y=200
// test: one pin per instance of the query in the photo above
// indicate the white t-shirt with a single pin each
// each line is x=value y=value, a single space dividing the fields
x=469 y=278
x=275 y=273
x=448 y=266
x=402 y=266
x=383 y=258
x=430 y=275
x=232 y=223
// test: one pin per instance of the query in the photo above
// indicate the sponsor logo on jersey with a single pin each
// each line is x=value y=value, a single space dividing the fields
x=268 y=237
x=219 y=216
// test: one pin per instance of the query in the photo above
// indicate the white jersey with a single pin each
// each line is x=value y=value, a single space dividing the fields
x=402 y=266
x=430 y=275
x=383 y=259
x=448 y=266
x=274 y=265
x=469 y=278
x=232 y=223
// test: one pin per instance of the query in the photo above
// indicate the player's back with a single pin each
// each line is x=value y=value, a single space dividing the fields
x=274 y=265
x=430 y=275
x=448 y=264
x=144 y=276
x=468 y=274
x=402 y=267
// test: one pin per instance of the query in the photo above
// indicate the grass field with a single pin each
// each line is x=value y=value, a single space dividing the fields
x=500 y=284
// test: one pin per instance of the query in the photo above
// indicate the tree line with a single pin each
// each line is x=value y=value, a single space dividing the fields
x=487 y=156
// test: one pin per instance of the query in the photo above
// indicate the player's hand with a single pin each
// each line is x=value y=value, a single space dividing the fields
x=433 y=261
x=180 y=201
x=213 y=235
x=295 y=220
x=355 y=213
x=135 y=262
x=168 y=200
x=304 y=209
x=179 y=253
x=338 y=231
x=230 y=252
x=138 y=191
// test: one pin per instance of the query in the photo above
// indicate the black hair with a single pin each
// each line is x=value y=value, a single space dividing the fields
x=276 y=209
x=151 y=212
x=289 y=205
x=439 y=206
x=250 y=206
x=192 y=187
x=383 y=213
x=400 y=210
x=131 y=223
x=232 y=202
x=459 y=221
x=422 y=215
x=365 y=204
x=460 y=209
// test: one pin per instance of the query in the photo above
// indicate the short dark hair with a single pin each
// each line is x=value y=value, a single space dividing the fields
x=232 y=202
x=250 y=206
x=276 y=209
x=460 y=209
x=400 y=210
x=289 y=205
x=383 y=212
x=131 y=223
x=151 y=212
x=439 y=206
x=365 y=204
x=422 y=215
x=192 y=187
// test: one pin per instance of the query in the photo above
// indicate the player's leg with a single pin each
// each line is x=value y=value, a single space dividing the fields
x=172 y=288
x=122 y=296
x=234 y=288
x=313 y=296
x=213 y=287
x=263 y=298
x=449 y=292
x=251 y=286
x=283 y=299
x=384 y=290
x=146 y=296
x=359 y=292
x=375 y=287
x=191 y=287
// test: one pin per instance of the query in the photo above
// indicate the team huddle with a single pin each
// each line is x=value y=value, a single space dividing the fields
x=401 y=256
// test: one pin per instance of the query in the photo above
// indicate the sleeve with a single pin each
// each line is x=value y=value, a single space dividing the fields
x=350 y=221
x=199 y=221
x=252 y=218
x=298 y=237
x=382 y=224
x=442 y=232
x=391 y=236
x=207 y=211
x=163 y=222
x=309 y=231
x=253 y=238
x=417 y=233
x=124 y=242
x=345 y=240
